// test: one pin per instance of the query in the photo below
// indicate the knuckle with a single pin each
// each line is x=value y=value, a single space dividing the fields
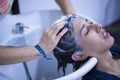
x=60 y=35
x=46 y=31
x=58 y=27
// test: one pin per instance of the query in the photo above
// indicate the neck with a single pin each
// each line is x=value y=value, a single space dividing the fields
x=107 y=63
x=104 y=59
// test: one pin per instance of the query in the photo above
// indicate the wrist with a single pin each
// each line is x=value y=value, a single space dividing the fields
x=41 y=52
x=68 y=11
x=42 y=45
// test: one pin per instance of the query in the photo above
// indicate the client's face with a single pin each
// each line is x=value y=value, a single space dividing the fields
x=91 y=36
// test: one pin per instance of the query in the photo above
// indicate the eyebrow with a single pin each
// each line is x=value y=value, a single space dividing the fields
x=82 y=28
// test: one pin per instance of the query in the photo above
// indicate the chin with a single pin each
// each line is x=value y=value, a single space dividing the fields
x=111 y=42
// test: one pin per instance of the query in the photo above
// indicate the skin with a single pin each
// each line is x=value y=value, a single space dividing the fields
x=114 y=27
x=93 y=42
x=92 y=34
x=96 y=44
x=65 y=6
x=48 y=41
x=50 y=38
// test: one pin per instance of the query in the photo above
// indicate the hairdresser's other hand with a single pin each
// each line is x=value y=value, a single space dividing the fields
x=50 y=37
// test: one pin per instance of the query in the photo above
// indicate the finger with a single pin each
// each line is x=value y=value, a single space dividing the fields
x=58 y=28
x=56 y=25
x=61 y=33
x=53 y=25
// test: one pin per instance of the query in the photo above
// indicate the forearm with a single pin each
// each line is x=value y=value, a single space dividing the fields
x=48 y=42
x=10 y=55
x=65 y=6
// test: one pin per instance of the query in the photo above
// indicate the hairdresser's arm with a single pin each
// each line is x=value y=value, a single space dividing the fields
x=49 y=40
x=10 y=55
x=66 y=6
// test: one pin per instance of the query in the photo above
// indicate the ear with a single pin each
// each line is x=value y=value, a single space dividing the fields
x=79 y=57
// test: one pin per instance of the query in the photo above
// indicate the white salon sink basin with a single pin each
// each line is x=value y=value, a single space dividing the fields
x=16 y=40
x=28 y=37
x=36 y=23
x=33 y=34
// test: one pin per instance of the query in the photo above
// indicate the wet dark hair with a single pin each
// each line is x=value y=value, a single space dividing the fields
x=68 y=45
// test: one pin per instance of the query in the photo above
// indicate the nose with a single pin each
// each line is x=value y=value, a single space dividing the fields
x=96 y=27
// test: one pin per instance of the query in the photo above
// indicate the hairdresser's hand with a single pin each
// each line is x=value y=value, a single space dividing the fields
x=50 y=39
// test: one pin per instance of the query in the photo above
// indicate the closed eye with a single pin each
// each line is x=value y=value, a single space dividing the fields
x=87 y=31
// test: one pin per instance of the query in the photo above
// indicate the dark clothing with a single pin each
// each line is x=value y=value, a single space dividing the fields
x=115 y=50
x=99 y=75
x=95 y=74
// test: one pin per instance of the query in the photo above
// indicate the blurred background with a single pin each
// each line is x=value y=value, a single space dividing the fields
x=102 y=11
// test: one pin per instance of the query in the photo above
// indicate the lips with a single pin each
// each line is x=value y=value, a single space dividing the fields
x=106 y=35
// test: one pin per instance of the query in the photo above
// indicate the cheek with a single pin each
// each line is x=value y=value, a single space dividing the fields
x=97 y=42
x=91 y=41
